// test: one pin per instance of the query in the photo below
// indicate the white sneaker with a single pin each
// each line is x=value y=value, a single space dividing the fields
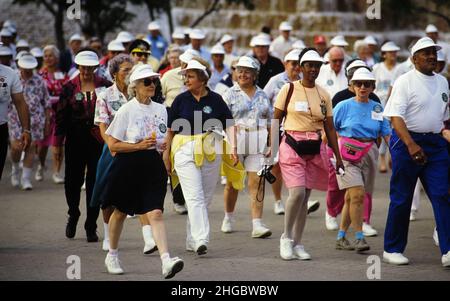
x=227 y=226
x=435 y=237
x=26 y=184
x=171 y=267
x=180 y=209
x=395 y=258
x=261 y=231
x=286 y=248
x=223 y=180
x=15 y=177
x=413 y=215
x=331 y=222
x=57 y=179
x=105 y=245
x=150 y=247
x=112 y=264
x=39 y=173
x=368 y=230
x=278 y=207
x=313 y=206
x=446 y=259
x=300 y=253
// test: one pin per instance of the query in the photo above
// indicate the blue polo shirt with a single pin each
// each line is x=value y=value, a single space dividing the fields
x=210 y=111
x=159 y=46
x=355 y=119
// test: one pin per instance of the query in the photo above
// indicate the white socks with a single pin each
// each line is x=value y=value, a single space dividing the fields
x=165 y=257
x=147 y=234
x=26 y=173
x=229 y=215
x=106 y=229
x=113 y=252
x=256 y=222
x=15 y=166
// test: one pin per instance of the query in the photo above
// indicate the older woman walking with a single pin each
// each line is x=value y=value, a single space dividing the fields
x=138 y=180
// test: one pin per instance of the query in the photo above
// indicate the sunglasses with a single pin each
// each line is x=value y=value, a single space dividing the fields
x=359 y=84
x=148 y=81
x=140 y=54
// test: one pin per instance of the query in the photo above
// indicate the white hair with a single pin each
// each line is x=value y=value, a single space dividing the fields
x=53 y=49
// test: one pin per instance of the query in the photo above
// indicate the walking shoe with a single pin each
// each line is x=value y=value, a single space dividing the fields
x=202 y=249
x=300 y=253
x=413 y=215
x=361 y=245
x=57 y=179
x=171 y=267
x=368 y=230
x=343 y=244
x=395 y=258
x=278 y=208
x=446 y=259
x=25 y=184
x=39 y=173
x=286 y=248
x=112 y=264
x=261 y=231
x=91 y=236
x=331 y=222
x=180 y=209
x=313 y=206
x=435 y=237
x=105 y=245
x=15 y=177
x=227 y=225
x=71 y=227
x=150 y=247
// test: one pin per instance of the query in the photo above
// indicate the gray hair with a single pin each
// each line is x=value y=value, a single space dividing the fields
x=53 y=49
x=114 y=64
x=131 y=85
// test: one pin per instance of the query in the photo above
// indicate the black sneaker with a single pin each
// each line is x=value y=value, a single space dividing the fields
x=91 y=236
x=71 y=227
x=344 y=244
x=361 y=245
x=202 y=250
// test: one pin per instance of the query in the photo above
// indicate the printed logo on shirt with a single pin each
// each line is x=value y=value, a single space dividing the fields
x=377 y=109
x=79 y=96
x=207 y=110
x=162 y=128
x=2 y=79
x=330 y=82
x=115 y=105
x=444 y=97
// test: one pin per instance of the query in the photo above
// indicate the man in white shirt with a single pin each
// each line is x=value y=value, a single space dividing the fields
x=332 y=76
x=418 y=108
x=11 y=90
x=283 y=42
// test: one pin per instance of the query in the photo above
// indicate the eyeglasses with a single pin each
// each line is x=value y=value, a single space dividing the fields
x=148 y=81
x=140 y=54
x=359 y=84
x=337 y=61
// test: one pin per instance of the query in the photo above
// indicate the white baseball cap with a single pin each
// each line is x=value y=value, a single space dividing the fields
x=154 y=26
x=285 y=26
x=292 y=55
x=142 y=71
x=27 y=61
x=356 y=63
x=339 y=41
x=217 y=49
x=20 y=54
x=86 y=58
x=178 y=34
x=431 y=28
x=22 y=43
x=115 y=45
x=37 y=52
x=389 y=46
x=5 y=50
x=440 y=56
x=423 y=43
x=299 y=44
x=188 y=55
x=6 y=32
x=311 y=56
x=193 y=65
x=226 y=38
x=260 y=40
x=370 y=40
x=197 y=34
x=75 y=37
x=125 y=37
x=248 y=62
x=363 y=74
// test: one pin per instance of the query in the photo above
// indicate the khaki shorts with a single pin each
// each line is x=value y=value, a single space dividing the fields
x=361 y=174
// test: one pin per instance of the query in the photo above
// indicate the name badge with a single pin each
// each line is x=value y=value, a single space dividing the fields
x=59 y=75
x=377 y=116
x=301 y=106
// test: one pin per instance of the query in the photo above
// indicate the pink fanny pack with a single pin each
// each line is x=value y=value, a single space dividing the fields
x=353 y=150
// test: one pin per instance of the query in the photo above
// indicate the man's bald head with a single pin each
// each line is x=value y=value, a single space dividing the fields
x=336 y=57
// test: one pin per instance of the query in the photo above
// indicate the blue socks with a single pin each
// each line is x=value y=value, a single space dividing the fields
x=341 y=234
x=359 y=235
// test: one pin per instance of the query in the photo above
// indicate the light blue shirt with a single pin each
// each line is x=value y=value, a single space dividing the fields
x=204 y=53
x=159 y=46
x=217 y=76
x=354 y=119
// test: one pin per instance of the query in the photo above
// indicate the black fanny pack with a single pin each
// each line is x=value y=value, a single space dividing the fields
x=304 y=147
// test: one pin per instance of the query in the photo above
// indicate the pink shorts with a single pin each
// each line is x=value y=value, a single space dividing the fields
x=50 y=139
x=309 y=171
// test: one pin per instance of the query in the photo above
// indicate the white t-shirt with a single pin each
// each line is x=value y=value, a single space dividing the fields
x=280 y=46
x=401 y=69
x=383 y=80
x=135 y=121
x=331 y=82
x=420 y=100
x=9 y=84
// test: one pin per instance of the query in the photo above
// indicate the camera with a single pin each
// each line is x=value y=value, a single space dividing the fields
x=265 y=172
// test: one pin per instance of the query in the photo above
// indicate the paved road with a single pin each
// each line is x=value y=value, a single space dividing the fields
x=33 y=245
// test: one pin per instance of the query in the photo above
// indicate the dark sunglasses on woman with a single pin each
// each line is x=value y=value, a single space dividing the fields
x=149 y=81
x=367 y=84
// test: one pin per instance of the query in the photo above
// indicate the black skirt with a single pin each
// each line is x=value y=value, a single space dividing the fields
x=137 y=182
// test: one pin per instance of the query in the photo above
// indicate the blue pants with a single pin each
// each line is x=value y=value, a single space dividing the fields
x=434 y=178
x=101 y=177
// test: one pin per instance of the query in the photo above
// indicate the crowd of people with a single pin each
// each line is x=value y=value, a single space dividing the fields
x=129 y=119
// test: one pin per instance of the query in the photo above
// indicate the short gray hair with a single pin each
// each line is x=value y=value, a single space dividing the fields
x=114 y=64
x=53 y=49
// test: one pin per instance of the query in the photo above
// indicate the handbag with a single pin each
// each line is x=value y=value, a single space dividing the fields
x=353 y=150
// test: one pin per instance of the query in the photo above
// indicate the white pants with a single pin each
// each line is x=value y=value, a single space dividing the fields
x=198 y=185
